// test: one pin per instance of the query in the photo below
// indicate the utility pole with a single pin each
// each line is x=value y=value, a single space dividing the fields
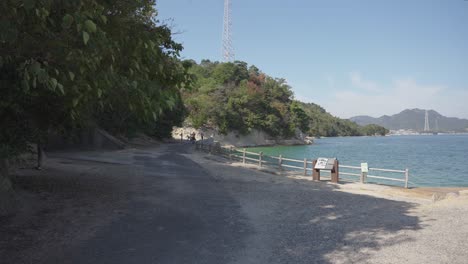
x=228 y=51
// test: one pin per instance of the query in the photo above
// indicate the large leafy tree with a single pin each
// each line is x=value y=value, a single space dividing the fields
x=67 y=63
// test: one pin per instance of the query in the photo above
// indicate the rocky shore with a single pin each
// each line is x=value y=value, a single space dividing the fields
x=254 y=139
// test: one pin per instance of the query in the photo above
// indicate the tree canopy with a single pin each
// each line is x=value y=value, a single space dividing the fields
x=236 y=96
x=67 y=63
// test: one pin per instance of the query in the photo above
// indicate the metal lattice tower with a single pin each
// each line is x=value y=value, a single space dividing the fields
x=228 y=51
x=426 y=122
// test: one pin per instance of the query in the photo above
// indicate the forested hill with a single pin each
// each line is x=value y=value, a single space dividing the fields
x=239 y=97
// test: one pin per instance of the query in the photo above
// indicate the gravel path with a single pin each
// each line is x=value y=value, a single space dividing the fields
x=168 y=205
x=299 y=221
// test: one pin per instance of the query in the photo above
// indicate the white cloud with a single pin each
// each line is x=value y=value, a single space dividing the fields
x=372 y=99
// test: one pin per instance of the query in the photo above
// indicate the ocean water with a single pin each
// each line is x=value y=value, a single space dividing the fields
x=432 y=160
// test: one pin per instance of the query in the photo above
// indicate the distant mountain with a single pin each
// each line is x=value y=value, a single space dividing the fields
x=414 y=119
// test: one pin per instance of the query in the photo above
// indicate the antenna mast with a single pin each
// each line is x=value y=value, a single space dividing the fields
x=228 y=51
x=426 y=122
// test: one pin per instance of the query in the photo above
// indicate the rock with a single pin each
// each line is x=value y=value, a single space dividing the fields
x=439 y=196
x=254 y=138
x=451 y=195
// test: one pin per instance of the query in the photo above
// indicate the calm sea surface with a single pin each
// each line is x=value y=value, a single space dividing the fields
x=432 y=160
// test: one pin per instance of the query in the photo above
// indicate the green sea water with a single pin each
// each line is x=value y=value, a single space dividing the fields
x=432 y=160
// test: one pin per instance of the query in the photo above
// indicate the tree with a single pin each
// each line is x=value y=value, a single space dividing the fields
x=300 y=118
x=66 y=64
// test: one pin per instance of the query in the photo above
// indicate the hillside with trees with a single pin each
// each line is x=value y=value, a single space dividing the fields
x=239 y=97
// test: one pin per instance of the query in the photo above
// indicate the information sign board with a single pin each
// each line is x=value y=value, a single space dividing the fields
x=325 y=163
x=321 y=163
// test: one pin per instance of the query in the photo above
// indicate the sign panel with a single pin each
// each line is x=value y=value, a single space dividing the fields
x=321 y=163
x=325 y=163
x=364 y=167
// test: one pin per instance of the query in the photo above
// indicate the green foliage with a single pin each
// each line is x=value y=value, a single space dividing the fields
x=70 y=63
x=372 y=130
x=300 y=118
x=322 y=123
x=234 y=96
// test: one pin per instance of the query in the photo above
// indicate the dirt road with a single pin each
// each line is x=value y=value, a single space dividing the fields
x=166 y=205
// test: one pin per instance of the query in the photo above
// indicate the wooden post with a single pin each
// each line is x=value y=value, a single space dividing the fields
x=243 y=156
x=315 y=172
x=280 y=162
x=260 y=159
x=230 y=152
x=335 y=172
x=305 y=167
x=406 y=178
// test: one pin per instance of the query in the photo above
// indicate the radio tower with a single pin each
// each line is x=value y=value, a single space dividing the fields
x=426 y=122
x=228 y=51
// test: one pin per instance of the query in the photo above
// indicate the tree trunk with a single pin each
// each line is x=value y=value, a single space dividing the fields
x=6 y=190
x=40 y=157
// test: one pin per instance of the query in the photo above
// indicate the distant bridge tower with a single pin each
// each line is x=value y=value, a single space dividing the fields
x=228 y=51
x=426 y=122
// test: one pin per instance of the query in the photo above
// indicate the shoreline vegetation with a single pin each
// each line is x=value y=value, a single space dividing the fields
x=233 y=97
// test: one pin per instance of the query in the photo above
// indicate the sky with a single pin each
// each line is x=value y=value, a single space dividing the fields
x=353 y=57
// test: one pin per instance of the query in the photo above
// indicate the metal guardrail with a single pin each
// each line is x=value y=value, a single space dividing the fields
x=305 y=164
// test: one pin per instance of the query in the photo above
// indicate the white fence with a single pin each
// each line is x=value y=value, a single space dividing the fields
x=352 y=173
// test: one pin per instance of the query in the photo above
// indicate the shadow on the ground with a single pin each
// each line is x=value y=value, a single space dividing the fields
x=61 y=203
x=299 y=221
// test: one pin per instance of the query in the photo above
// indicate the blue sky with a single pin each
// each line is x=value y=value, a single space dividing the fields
x=353 y=57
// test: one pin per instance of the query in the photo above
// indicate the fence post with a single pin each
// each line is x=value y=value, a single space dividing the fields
x=305 y=167
x=230 y=152
x=280 y=162
x=243 y=156
x=209 y=148
x=335 y=173
x=315 y=172
x=406 y=178
x=260 y=159
x=363 y=177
